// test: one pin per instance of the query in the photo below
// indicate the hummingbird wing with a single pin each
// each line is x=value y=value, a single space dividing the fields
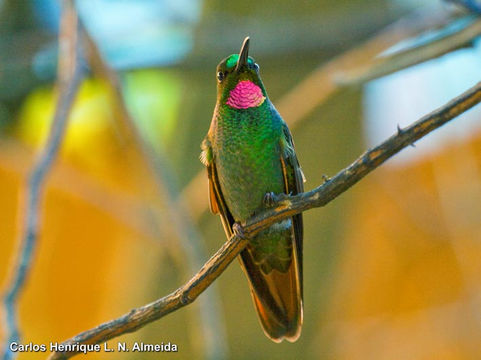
x=217 y=203
x=294 y=183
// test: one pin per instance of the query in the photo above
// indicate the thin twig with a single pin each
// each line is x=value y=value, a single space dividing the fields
x=68 y=82
x=470 y=5
x=161 y=171
x=286 y=206
x=460 y=33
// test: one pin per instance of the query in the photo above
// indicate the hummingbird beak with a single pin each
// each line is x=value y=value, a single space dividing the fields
x=243 y=55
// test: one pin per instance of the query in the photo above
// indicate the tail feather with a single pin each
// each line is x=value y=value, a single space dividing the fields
x=277 y=297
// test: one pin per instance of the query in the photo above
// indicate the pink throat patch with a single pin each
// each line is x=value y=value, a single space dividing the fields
x=245 y=95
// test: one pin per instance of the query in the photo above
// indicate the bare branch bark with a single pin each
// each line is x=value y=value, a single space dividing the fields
x=286 y=206
x=69 y=78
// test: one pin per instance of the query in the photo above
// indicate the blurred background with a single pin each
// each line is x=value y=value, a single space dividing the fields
x=392 y=266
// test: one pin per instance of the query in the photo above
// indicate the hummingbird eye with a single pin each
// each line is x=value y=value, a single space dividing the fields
x=220 y=76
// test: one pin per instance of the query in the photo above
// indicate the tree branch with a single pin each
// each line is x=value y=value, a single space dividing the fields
x=69 y=78
x=470 y=5
x=286 y=206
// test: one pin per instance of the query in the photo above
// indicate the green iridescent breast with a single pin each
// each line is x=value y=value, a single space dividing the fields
x=248 y=157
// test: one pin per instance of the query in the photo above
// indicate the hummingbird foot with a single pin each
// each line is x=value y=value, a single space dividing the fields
x=325 y=178
x=238 y=230
x=270 y=199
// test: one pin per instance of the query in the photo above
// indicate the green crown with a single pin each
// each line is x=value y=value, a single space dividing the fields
x=234 y=58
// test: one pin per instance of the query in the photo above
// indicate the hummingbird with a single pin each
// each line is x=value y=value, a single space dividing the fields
x=249 y=155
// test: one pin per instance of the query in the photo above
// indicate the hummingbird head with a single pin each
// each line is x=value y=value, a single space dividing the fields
x=239 y=85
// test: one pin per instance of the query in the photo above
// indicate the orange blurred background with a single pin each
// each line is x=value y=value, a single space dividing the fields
x=391 y=267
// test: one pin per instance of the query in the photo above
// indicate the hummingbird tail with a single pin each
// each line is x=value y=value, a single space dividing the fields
x=277 y=296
